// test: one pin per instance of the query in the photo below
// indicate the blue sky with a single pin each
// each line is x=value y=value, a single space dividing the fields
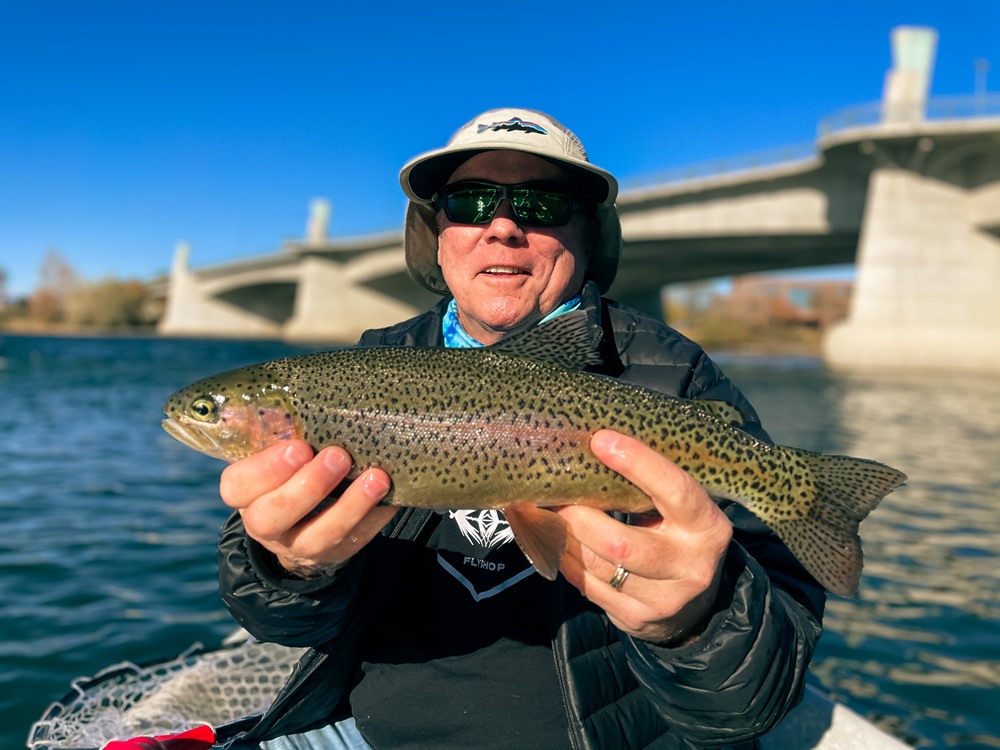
x=126 y=127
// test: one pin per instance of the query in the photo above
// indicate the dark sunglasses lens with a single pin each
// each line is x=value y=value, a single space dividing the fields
x=471 y=205
x=534 y=205
x=538 y=207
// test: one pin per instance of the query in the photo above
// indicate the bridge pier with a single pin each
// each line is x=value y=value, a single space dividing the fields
x=928 y=259
x=928 y=274
x=193 y=310
x=333 y=304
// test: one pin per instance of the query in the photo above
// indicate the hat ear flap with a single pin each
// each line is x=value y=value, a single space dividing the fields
x=420 y=243
x=602 y=265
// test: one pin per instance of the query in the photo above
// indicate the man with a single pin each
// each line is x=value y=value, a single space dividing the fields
x=694 y=627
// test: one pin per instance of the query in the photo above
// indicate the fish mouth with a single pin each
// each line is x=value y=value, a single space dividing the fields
x=196 y=438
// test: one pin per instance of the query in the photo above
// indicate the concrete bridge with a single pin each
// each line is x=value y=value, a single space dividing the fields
x=907 y=187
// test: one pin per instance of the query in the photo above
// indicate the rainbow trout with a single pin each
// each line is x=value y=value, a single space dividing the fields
x=509 y=427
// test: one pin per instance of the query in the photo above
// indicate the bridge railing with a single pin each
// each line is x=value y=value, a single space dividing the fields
x=858 y=115
x=934 y=109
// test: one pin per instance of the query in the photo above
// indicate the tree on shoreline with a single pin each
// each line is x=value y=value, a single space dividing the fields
x=110 y=303
x=57 y=280
x=64 y=300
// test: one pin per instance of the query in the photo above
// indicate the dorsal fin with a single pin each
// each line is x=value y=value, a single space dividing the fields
x=568 y=340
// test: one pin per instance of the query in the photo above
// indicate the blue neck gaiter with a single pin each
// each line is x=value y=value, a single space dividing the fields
x=456 y=337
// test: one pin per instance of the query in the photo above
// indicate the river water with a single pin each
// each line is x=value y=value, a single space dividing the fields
x=108 y=527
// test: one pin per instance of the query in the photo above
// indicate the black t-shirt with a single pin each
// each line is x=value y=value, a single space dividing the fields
x=460 y=655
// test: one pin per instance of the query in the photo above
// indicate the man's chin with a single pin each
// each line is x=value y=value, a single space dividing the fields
x=493 y=327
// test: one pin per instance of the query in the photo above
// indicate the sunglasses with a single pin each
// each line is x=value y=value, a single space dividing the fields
x=535 y=204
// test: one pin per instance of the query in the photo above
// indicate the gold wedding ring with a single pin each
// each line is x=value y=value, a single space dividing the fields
x=618 y=579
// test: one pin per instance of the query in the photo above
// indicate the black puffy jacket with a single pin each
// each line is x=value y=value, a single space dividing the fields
x=732 y=684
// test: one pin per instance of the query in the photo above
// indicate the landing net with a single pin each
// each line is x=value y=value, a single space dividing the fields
x=198 y=687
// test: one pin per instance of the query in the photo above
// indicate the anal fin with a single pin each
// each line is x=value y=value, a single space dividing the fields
x=541 y=535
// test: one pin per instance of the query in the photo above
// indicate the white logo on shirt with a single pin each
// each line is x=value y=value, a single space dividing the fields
x=487 y=528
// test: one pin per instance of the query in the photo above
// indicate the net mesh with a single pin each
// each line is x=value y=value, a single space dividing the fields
x=198 y=687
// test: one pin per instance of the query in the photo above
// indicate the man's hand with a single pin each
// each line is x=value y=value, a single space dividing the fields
x=278 y=490
x=674 y=561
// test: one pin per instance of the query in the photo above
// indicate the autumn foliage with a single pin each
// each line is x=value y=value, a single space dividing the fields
x=62 y=299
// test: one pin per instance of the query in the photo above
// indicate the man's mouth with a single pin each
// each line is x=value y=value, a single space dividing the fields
x=503 y=271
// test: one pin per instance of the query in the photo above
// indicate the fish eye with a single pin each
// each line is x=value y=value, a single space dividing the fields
x=205 y=409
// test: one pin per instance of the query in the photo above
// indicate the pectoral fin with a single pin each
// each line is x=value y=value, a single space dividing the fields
x=541 y=535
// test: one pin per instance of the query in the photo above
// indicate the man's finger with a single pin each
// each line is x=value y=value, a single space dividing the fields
x=601 y=543
x=244 y=481
x=676 y=495
x=274 y=513
x=354 y=520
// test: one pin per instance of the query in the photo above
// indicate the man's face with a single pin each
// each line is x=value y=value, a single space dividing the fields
x=506 y=277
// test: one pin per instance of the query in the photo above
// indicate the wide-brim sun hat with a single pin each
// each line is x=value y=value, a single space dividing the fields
x=509 y=129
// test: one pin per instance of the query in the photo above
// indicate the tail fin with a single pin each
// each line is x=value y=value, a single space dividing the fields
x=826 y=542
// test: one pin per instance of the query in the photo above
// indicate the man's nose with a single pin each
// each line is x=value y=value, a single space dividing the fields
x=504 y=225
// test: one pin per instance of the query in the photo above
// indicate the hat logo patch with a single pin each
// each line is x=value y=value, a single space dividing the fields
x=514 y=123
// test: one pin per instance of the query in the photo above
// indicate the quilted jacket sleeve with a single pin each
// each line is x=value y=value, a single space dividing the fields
x=739 y=679
x=274 y=606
